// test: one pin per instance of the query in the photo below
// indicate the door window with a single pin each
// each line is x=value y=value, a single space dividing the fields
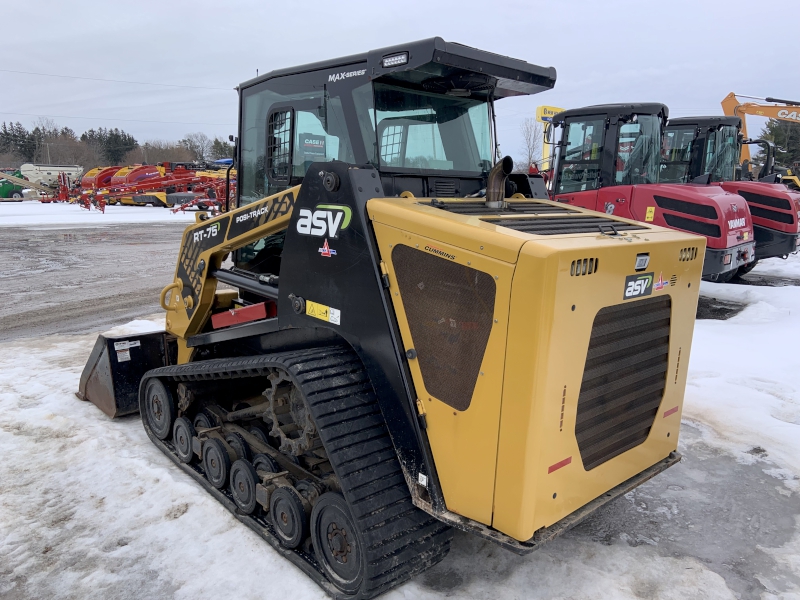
x=579 y=167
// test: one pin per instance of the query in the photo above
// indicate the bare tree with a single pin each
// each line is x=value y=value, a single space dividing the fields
x=531 y=149
x=198 y=144
x=158 y=151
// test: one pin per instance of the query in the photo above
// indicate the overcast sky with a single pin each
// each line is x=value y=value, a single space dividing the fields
x=687 y=54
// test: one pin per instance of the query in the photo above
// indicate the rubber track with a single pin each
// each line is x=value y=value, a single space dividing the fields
x=399 y=540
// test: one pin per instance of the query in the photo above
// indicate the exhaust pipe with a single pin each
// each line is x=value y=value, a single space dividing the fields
x=496 y=184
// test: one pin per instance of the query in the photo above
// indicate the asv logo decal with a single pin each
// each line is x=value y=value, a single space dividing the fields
x=638 y=285
x=734 y=223
x=326 y=221
x=785 y=114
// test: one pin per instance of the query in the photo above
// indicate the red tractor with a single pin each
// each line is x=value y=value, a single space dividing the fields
x=609 y=159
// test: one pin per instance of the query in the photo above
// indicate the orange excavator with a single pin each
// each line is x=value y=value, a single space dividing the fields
x=782 y=110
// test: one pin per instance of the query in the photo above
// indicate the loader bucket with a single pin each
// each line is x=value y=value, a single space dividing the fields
x=110 y=379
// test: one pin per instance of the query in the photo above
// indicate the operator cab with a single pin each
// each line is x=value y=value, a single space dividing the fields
x=422 y=114
x=700 y=147
x=607 y=145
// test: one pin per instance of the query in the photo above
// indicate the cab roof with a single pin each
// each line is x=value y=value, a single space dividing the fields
x=711 y=121
x=435 y=60
x=614 y=110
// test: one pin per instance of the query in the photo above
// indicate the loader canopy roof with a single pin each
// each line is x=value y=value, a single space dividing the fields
x=614 y=110
x=418 y=112
x=712 y=121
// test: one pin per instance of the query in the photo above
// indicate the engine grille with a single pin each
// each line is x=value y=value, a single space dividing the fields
x=623 y=379
x=688 y=208
x=480 y=208
x=563 y=225
x=449 y=308
x=707 y=229
x=771 y=215
x=781 y=203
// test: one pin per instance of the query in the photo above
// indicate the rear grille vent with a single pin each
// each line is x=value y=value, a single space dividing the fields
x=564 y=225
x=687 y=208
x=771 y=215
x=623 y=379
x=673 y=280
x=687 y=254
x=480 y=208
x=781 y=203
x=445 y=188
x=585 y=266
x=706 y=229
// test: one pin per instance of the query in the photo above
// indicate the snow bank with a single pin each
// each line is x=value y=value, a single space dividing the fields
x=16 y=214
x=743 y=374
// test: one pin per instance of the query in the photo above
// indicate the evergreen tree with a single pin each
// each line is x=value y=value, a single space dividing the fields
x=786 y=137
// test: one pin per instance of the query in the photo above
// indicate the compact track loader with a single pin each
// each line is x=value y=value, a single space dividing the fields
x=410 y=342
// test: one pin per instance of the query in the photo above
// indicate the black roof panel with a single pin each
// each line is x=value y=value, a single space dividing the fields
x=640 y=108
x=711 y=121
x=434 y=57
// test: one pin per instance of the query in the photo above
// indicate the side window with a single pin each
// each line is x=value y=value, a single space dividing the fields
x=413 y=144
x=279 y=146
x=312 y=143
x=424 y=148
x=579 y=168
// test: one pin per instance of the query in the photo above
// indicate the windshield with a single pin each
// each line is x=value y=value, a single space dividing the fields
x=421 y=131
x=676 y=153
x=638 y=156
x=721 y=153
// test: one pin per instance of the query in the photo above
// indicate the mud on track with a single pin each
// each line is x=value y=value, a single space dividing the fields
x=83 y=279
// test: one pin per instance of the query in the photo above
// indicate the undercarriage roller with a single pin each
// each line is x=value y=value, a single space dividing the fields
x=239 y=445
x=243 y=485
x=216 y=462
x=289 y=515
x=182 y=433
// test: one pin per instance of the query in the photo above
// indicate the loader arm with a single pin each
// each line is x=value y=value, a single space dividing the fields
x=203 y=249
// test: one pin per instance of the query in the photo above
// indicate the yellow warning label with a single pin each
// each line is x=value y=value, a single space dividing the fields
x=746 y=234
x=651 y=213
x=323 y=313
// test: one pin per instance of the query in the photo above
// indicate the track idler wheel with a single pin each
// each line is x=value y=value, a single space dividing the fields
x=289 y=517
x=182 y=433
x=159 y=406
x=216 y=462
x=243 y=485
x=336 y=543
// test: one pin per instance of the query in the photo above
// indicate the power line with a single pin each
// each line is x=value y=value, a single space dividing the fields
x=173 y=85
x=115 y=119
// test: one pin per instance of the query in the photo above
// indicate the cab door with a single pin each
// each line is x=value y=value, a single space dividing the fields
x=580 y=154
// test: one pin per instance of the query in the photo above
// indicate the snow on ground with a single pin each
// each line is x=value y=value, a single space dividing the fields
x=90 y=509
x=743 y=375
x=33 y=213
